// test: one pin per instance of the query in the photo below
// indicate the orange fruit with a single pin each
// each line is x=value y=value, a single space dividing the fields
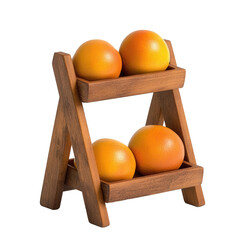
x=115 y=161
x=156 y=149
x=144 y=51
x=97 y=59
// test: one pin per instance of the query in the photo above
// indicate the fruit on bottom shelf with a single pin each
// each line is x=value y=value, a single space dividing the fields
x=115 y=161
x=156 y=149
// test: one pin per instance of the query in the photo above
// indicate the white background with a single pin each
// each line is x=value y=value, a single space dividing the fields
x=205 y=37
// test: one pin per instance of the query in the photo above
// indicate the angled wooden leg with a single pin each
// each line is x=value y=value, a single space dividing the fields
x=193 y=196
x=80 y=139
x=176 y=120
x=155 y=116
x=174 y=116
x=57 y=162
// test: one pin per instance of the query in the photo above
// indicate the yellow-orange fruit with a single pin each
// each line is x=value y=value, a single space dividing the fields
x=144 y=51
x=156 y=149
x=115 y=161
x=97 y=59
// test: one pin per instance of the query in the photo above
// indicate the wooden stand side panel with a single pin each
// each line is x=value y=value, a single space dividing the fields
x=57 y=163
x=174 y=116
x=80 y=139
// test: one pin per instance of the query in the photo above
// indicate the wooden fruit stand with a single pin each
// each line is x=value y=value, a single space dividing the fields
x=70 y=129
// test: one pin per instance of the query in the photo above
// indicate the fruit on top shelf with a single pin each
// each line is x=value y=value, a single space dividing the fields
x=115 y=161
x=144 y=51
x=156 y=149
x=141 y=51
x=97 y=59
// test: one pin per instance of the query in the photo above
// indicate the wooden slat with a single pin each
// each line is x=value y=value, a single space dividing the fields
x=80 y=139
x=91 y=91
x=57 y=162
x=189 y=175
x=72 y=179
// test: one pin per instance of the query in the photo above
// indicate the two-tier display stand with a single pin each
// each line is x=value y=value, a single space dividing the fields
x=70 y=129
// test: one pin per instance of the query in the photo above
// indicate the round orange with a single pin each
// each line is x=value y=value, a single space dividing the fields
x=156 y=149
x=115 y=161
x=97 y=59
x=144 y=51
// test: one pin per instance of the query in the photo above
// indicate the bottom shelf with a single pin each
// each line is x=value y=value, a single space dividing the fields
x=188 y=175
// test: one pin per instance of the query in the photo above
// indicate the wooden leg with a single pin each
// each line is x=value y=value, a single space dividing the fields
x=56 y=168
x=80 y=139
x=155 y=116
x=193 y=196
x=173 y=113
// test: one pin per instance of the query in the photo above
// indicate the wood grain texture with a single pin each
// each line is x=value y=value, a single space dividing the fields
x=155 y=115
x=91 y=91
x=80 y=139
x=57 y=162
x=189 y=175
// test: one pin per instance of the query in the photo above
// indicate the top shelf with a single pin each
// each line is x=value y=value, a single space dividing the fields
x=90 y=91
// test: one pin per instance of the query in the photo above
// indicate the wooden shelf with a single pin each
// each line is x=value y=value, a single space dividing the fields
x=188 y=175
x=124 y=86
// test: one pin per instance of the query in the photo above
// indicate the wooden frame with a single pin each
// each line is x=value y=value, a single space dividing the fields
x=70 y=129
